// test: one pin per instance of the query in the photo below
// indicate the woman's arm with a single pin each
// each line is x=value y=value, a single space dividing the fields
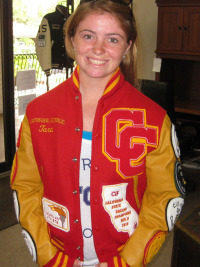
x=161 y=204
x=28 y=192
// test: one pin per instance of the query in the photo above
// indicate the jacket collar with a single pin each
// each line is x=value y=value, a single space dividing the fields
x=111 y=85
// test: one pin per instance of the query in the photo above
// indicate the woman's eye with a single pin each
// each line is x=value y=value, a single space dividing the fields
x=88 y=36
x=113 y=40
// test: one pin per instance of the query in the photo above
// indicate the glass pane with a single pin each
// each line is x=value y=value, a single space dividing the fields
x=27 y=18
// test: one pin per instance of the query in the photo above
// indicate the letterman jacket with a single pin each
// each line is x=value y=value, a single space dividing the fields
x=50 y=43
x=137 y=187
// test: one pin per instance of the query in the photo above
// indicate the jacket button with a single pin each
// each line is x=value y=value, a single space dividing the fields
x=77 y=97
x=75 y=192
x=78 y=247
x=75 y=159
x=77 y=129
x=96 y=168
x=76 y=221
x=78 y=258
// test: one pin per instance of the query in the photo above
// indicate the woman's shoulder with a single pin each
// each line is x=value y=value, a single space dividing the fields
x=51 y=97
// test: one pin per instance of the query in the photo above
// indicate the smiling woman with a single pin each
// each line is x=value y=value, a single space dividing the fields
x=102 y=188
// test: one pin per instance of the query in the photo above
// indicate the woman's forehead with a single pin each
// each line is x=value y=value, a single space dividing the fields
x=100 y=18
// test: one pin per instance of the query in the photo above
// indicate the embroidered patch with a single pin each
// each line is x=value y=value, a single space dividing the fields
x=126 y=140
x=56 y=215
x=123 y=216
x=16 y=205
x=179 y=179
x=30 y=244
x=173 y=210
x=41 y=40
x=175 y=142
x=153 y=246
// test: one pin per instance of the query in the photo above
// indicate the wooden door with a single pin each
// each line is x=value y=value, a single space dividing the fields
x=170 y=29
x=192 y=29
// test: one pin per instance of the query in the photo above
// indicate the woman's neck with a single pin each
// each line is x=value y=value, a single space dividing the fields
x=91 y=91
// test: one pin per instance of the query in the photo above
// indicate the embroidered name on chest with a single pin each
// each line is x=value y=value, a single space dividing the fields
x=126 y=138
x=47 y=125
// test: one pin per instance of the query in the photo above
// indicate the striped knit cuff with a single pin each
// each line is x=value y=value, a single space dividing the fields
x=117 y=262
x=60 y=260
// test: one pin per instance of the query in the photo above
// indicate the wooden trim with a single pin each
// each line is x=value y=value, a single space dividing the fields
x=7 y=83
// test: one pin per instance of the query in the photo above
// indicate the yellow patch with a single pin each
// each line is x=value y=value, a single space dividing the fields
x=153 y=246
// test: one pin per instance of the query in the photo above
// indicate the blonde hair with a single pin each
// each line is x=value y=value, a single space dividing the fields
x=127 y=21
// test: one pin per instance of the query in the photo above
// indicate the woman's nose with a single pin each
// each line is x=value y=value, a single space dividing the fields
x=99 y=47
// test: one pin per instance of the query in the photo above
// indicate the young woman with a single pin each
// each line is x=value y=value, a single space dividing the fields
x=96 y=177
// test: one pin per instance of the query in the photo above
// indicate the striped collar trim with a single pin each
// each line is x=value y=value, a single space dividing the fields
x=111 y=84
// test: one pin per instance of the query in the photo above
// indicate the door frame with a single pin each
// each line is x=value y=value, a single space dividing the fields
x=7 y=83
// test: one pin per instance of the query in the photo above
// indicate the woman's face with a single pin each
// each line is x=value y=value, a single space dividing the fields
x=99 y=44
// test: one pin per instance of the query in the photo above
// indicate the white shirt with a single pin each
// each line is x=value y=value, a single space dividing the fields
x=90 y=256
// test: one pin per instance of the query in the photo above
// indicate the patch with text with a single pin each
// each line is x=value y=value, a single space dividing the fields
x=122 y=215
x=56 y=214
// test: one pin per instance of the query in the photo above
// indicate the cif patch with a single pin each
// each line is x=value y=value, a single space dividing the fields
x=179 y=179
x=122 y=215
x=173 y=210
x=175 y=142
x=56 y=214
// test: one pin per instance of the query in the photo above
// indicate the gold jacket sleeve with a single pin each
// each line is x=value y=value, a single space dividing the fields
x=152 y=226
x=26 y=181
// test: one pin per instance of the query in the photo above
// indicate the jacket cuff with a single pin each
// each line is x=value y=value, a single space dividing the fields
x=60 y=260
x=117 y=261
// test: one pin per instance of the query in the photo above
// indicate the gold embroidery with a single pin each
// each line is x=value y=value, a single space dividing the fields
x=44 y=129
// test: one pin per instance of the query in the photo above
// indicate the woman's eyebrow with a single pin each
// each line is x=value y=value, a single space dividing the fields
x=108 y=34
x=86 y=30
x=117 y=34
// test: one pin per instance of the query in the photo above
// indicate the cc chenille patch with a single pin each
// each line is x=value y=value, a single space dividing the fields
x=56 y=214
x=126 y=140
x=122 y=215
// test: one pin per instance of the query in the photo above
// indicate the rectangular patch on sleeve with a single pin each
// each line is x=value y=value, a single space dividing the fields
x=56 y=215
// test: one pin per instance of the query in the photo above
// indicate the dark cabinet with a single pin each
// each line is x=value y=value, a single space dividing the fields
x=179 y=30
x=178 y=45
x=170 y=29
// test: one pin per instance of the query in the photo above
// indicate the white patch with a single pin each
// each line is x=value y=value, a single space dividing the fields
x=16 y=205
x=175 y=142
x=174 y=208
x=30 y=244
x=56 y=214
x=123 y=216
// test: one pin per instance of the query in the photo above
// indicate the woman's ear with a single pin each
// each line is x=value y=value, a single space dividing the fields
x=128 y=47
x=73 y=43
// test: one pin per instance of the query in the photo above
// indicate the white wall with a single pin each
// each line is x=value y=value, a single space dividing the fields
x=146 y=14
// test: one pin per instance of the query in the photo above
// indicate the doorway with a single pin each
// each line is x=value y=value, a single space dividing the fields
x=20 y=21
